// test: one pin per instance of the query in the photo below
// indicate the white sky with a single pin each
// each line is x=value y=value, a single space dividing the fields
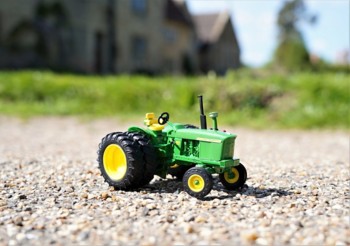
x=255 y=24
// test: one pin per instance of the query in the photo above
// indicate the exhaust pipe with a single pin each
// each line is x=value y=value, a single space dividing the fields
x=203 y=118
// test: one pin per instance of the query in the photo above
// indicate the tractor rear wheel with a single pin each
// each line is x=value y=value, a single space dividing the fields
x=237 y=181
x=197 y=182
x=149 y=156
x=120 y=161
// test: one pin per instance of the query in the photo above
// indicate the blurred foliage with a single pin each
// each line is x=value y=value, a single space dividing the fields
x=292 y=55
x=251 y=98
x=291 y=52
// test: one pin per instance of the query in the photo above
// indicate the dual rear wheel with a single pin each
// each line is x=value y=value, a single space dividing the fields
x=127 y=160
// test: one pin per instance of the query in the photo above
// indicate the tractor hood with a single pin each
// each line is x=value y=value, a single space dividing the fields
x=212 y=136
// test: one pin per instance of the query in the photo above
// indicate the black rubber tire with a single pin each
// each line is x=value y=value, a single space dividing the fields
x=179 y=171
x=135 y=166
x=242 y=178
x=149 y=156
x=206 y=178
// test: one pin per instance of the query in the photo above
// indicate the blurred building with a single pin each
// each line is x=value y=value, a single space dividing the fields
x=218 y=45
x=115 y=36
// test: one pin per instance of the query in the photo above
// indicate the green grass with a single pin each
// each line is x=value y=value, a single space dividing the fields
x=249 y=98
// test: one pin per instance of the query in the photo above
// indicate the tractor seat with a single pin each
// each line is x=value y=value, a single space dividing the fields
x=152 y=123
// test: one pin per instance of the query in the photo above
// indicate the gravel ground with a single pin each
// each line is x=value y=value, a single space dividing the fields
x=51 y=191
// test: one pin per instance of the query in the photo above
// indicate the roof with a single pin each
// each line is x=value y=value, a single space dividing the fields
x=177 y=10
x=209 y=27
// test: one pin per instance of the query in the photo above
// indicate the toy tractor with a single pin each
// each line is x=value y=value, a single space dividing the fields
x=129 y=160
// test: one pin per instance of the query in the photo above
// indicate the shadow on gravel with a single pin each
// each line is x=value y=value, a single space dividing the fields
x=175 y=186
x=248 y=191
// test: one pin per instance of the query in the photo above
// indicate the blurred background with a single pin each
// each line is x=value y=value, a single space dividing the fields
x=261 y=64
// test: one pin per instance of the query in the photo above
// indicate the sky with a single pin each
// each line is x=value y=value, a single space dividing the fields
x=255 y=25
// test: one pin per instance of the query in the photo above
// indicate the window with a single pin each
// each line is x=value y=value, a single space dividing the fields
x=139 y=48
x=99 y=38
x=169 y=35
x=139 y=6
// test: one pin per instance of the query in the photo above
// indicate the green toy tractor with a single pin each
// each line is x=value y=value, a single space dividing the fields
x=129 y=160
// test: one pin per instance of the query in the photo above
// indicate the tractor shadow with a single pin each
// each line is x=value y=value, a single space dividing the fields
x=246 y=190
x=175 y=186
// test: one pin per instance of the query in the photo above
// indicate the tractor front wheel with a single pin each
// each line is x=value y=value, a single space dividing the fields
x=197 y=182
x=234 y=180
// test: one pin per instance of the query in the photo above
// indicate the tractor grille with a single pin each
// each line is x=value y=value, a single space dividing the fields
x=228 y=148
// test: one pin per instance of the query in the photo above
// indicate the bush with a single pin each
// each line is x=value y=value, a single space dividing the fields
x=252 y=98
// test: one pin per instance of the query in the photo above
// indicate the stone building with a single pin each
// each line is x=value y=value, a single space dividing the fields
x=112 y=36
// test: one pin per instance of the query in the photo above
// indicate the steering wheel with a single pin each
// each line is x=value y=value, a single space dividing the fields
x=163 y=118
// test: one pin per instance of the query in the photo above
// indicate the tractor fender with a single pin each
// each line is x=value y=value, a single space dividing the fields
x=142 y=130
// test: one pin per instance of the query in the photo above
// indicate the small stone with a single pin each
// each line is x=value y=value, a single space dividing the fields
x=151 y=241
x=18 y=220
x=234 y=210
x=261 y=214
x=20 y=205
x=188 y=217
x=83 y=235
x=2 y=203
x=261 y=241
x=114 y=198
x=170 y=219
x=77 y=206
x=292 y=205
x=84 y=195
x=145 y=211
x=40 y=226
x=200 y=219
x=151 y=206
x=104 y=195
x=153 y=212
x=69 y=190
x=249 y=236
x=22 y=197
x=20 y=236
x=189 y=228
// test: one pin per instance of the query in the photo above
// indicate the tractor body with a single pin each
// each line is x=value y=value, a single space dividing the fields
x=190 y=153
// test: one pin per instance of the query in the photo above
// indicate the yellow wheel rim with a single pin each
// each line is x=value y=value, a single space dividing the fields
x=196 y=183
x=235 y=176
x=114 y=162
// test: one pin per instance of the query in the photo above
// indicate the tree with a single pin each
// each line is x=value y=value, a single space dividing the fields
x=291 y=52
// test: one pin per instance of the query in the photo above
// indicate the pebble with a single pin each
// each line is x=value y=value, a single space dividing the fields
x=189 y=228
x=104 y=195
x=249 y=236
x=22 y=197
